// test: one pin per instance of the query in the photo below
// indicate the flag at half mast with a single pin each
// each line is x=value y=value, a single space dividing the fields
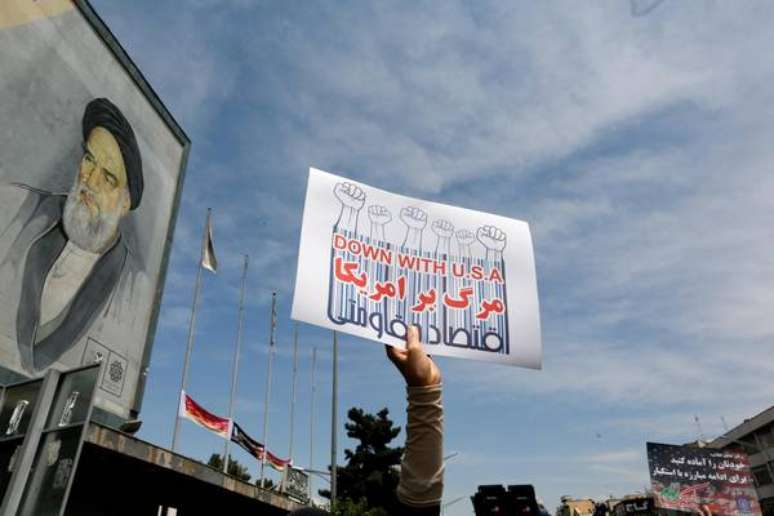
x=257 y=449
x=249 y=444
x=192 y=411
x=275 y=462
x=209 y=260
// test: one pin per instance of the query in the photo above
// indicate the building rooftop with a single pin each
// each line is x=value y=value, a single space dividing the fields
x=748 y=425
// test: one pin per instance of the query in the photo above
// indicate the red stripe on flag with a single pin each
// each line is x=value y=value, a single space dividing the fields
x=189 y=409
x=274 y=461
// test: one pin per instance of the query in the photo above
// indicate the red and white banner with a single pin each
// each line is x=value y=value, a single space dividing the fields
x=189 y=409
x=274 y=461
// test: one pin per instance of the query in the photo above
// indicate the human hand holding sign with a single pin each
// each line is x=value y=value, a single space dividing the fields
x=352 y=199
x=414 y=364
x=493 y=240
x=415 y=220
x=421 y=470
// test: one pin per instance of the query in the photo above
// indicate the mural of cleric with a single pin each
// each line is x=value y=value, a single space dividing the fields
x=62 y=256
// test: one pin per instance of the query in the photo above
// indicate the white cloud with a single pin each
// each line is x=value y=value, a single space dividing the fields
x=638 y=148
x=456 y=99
x=614 y=457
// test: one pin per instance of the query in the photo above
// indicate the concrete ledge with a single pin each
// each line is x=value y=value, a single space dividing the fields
x=129 y=446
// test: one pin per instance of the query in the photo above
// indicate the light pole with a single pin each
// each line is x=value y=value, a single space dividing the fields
x=334 y=420
x=447 y=459
x=447 y=504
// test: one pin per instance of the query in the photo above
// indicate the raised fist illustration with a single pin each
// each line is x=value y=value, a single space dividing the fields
x=351 y=196
x=465 y=237
x=443 y=228
x=491 y=238
x=414 y=218
x=379 y=214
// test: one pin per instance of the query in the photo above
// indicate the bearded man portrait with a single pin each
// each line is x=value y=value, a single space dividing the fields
x=63 y=255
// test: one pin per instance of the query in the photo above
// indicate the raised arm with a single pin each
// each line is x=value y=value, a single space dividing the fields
x=421 y=472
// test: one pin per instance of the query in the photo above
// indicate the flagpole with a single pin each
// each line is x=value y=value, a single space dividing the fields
x=293 y=390
x=268 y=385
x=311 y=420
x=235 y=366
x=191 y=331
x=334 y=423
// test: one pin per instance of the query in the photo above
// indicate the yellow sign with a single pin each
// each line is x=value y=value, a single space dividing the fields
x=21 y=12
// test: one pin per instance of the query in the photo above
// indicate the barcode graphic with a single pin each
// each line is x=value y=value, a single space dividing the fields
x=386 y=297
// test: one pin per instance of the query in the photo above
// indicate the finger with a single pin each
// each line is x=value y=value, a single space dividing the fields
x=412 y=339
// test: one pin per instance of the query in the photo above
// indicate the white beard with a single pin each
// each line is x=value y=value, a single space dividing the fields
x=90 y=234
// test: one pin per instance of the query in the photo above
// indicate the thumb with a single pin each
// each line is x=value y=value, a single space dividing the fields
x=397 y=356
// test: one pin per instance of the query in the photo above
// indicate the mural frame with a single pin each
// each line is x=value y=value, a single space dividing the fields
x=135 y=79
x=120 y=54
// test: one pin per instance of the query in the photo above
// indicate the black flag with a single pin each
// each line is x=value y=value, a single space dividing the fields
x=249 y=444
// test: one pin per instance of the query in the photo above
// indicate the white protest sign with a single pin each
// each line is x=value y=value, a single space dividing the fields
x=371 y=262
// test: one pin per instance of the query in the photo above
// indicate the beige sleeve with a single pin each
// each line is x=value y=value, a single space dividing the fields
x=421 y=471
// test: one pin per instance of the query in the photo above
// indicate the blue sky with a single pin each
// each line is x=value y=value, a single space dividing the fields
x=638 y=147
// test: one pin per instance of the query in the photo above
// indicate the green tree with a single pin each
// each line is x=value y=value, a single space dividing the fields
x=369 y=479
x=235 y=469
x=347 y=507
x=267 y=483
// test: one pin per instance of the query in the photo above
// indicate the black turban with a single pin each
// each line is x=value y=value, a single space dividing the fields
x=103 y=113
